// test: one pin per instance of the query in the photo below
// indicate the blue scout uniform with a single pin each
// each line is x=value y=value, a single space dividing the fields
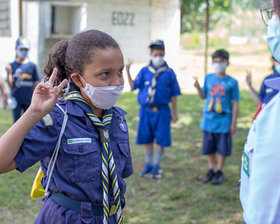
x=267 y=93
x=77 y=172
x=260 y=179
x=217 y=112
x=155 y=117
x=24 y=76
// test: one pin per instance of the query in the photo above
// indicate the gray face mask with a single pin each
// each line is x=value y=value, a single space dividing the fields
x=219 y=67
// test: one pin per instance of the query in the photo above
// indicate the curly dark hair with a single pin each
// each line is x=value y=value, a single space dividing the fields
x=70 y=56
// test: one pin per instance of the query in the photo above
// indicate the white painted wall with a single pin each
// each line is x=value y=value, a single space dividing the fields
x=133 y=23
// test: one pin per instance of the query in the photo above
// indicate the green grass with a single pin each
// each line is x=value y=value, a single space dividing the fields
x=178 y=198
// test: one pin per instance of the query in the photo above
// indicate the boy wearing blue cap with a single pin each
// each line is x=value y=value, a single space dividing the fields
x=219 y=115
x=22 y=76
x=158 y=86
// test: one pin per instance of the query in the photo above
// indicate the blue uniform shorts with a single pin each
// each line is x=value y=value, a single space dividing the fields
x=216 y=142
x=154 y=125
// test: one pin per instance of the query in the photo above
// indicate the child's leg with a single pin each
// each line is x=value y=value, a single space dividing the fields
x=158 y=155
x=211 y=161
x=149 y=153
x=221 y=162
x=209 y=149
x=149 y=160
x=224 y=143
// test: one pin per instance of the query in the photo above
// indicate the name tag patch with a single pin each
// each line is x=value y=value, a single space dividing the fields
x=78 y=140
x=245 y=164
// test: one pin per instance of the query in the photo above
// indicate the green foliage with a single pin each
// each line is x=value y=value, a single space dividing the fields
x=179 y=198
x=193 y=13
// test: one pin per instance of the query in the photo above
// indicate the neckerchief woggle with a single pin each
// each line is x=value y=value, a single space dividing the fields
x=109 y=173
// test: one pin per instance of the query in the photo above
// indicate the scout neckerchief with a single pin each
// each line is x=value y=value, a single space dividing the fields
x=109 y=173
x=152 y=87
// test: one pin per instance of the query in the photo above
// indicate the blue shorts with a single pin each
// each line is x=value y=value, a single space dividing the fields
x=154 y=125
x=216 y=142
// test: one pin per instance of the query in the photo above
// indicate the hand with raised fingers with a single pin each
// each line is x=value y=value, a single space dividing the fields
x=9 y=69
x=249 y=77
x=128 y=64
x=196 y=83
x=45 y=95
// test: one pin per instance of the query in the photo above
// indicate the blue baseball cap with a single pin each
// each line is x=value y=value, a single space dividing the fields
x=157 y=43
x=22 y=43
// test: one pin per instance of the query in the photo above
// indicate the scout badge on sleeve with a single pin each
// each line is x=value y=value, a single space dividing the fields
x=123 y=125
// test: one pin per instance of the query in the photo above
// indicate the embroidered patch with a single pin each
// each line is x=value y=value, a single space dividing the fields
x=123 y=127
x=245 y=164
x=47 y=120
x=78 y=140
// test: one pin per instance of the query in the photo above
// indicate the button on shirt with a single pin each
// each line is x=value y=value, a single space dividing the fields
x=221 y=90
x=77 y=170
x=24 y=76
x=267 y=93
x=167 y=86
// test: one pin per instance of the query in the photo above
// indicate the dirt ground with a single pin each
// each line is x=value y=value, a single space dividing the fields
x=253 y=57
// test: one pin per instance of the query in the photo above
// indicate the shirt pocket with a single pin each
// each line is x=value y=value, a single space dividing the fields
x=121 y=153
x=82 y=161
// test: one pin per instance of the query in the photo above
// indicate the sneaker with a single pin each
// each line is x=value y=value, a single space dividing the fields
x=218 y=178
x=208 y=177
x=157 y=172
x=147 y=171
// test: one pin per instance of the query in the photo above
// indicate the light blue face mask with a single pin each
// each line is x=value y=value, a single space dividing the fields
x=22 y=54
x=273 y=36
x=277 y=68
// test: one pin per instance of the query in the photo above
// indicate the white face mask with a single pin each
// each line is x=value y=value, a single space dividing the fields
x=103 y=97
x=273 y=36
x=219 y=67
x=158 y=61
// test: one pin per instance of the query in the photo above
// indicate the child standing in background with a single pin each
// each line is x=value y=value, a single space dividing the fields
x=158 y=86
x=219 y=115
x=22 y=77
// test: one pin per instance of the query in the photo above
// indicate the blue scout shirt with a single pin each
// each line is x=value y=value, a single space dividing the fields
x=260 y=179
x=167 y=86
x=267 y=93
x=220 y=92
x=24 y=76
x=77 y=171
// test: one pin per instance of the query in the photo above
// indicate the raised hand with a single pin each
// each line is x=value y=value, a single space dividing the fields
x=196 y=83
x=9 y=69
x=128 y=64
x=45 y=95
x=249 y=77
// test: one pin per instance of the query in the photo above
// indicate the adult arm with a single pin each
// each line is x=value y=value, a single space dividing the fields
x=235 y=109
x=43 y=100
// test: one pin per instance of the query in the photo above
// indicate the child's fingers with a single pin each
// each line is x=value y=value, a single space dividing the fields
x=53 y=76
x=61 y=85
x=195 y=77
